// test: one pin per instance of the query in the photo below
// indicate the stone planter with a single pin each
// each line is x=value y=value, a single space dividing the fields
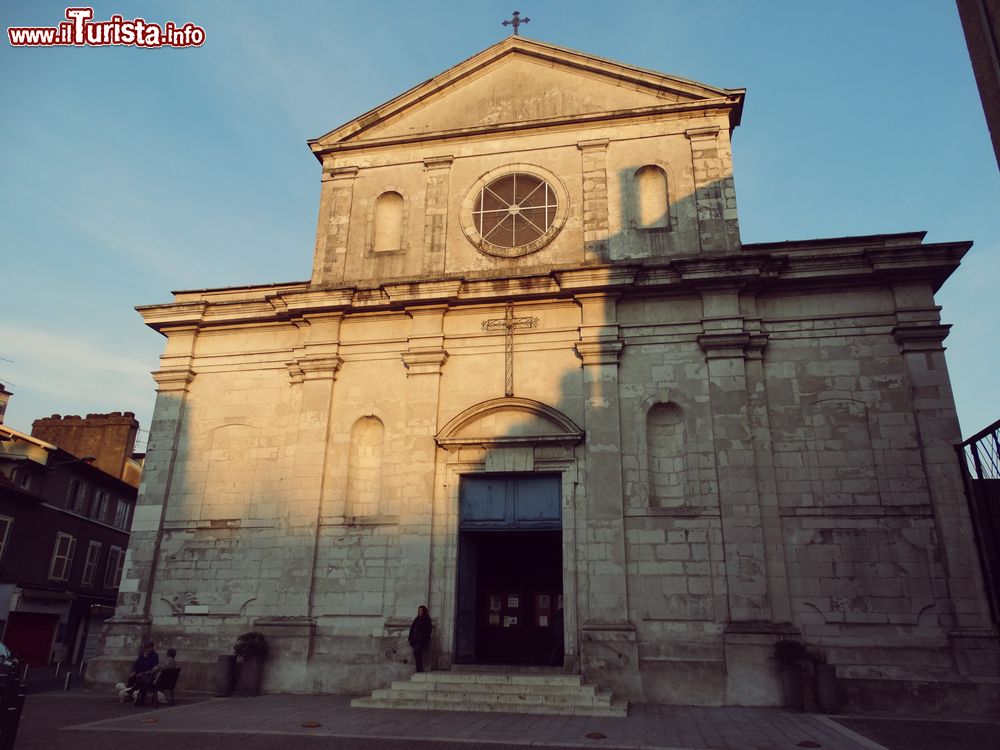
x=251 y=674
x=827 y=689
x=225 y=675
x=791 y=686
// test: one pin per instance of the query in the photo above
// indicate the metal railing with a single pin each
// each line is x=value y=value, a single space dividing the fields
x=980 y=459
x=981 y=453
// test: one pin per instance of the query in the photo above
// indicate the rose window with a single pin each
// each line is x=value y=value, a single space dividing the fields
x=514 y=210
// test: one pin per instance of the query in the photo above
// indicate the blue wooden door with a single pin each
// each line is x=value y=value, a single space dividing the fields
x=510 y=501
x=496 y=503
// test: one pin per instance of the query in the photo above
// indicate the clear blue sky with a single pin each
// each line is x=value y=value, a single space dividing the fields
x=128 y=173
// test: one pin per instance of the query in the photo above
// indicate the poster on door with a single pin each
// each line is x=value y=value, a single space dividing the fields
x=543 y=610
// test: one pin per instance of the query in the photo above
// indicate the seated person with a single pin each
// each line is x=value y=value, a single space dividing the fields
x=146 y=661
x=147 y=681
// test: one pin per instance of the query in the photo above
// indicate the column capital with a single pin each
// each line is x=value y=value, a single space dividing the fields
x=710 y=133
x=314 y=367
x=597 y=144
x=438 y=162
x=607 y=352
x=424 y=361
x=173 y=379
x=927 y=337
x=729 y=345
x=342 y=173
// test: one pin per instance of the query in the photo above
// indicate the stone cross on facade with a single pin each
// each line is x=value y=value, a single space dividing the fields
x=516 y=21
x=507 y=324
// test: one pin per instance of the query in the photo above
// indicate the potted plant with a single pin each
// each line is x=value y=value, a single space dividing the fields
x=790 y=655
x=251 y=648
x=827 y=689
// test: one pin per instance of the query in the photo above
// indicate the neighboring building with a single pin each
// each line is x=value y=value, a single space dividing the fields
x=981 y=23
x=63 y=535
x=535 y=364
x=4 y=400
x=109 y=438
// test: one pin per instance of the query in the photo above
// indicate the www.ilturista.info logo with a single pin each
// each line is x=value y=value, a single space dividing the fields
x=79 y=30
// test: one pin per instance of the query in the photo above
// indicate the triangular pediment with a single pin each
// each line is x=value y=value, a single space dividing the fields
x=521 y=82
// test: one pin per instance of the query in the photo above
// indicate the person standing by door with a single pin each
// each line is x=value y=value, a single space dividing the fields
x=420 y=636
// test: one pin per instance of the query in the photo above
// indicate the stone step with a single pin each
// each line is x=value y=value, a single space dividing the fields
x=602 y=698
x=505 y=669
x=509 y=691
x=497 y=679
x=616 y=709
x=479 y=687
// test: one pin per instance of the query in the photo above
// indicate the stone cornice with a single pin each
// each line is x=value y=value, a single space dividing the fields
x=820 y=264
x=722 y=106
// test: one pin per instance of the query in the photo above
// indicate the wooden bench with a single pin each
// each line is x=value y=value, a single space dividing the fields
x=165 y=681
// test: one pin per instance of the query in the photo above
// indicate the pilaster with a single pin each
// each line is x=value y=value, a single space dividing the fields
x=336 y=198
x=424 y=360
x=599 y=349
x=132 y=622
x=312 y=374
x=739 y=502
x=173 y=383
x=608 y=642
x=595 y=199
x=767 y=492
x=437 y=171
x=715 y=191
x=921 y=345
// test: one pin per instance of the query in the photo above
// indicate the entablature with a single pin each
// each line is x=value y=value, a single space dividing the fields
x=806 y=265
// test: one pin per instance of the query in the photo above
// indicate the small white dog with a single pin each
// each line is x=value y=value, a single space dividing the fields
x=129 y=695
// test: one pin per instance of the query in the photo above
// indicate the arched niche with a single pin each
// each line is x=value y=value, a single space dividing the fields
x=365 y=495
x=666 y=451
x=388 y=222
x=651 y=208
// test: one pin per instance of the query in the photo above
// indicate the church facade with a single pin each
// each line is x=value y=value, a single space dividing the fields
x=536 y=379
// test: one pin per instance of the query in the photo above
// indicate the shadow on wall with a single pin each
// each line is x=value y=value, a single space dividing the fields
x=189 y=563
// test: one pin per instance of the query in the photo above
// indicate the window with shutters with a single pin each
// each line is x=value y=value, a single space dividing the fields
x=90 y=566
x=116 y=563
x=62 y=557
x=6 y=522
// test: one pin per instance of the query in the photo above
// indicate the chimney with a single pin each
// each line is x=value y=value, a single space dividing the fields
x=4 y=400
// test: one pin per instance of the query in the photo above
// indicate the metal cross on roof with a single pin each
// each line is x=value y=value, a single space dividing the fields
x=507 y=324
x=516 y=21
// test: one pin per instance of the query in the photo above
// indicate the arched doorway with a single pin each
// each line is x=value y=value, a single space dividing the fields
x=511 y=475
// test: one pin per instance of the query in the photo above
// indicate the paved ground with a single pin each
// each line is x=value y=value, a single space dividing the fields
x=921 y=734
x=81 y=720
